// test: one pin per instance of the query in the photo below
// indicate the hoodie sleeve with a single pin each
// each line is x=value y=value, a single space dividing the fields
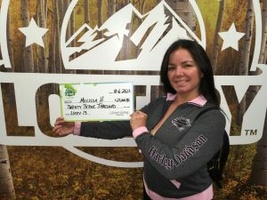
x=106 y=130
x=113 y=129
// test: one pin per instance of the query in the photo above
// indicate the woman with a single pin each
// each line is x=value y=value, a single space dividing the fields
x=174 y=133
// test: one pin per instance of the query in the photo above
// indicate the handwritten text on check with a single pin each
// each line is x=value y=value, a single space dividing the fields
x=96 y=101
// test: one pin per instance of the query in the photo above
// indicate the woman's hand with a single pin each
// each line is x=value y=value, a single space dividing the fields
x=138 y=119
x=63 y=128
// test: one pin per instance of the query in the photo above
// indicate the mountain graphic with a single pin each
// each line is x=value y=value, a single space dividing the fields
x=128 y=40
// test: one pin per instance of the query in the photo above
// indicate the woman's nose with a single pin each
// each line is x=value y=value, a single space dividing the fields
x=179 y=71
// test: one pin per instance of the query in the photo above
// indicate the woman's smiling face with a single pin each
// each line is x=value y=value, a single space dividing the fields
x=184 y=74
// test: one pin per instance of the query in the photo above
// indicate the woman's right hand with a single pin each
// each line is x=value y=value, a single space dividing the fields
x=63 y=128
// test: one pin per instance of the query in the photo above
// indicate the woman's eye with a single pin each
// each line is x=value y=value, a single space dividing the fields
x=170 y=68
x=188 y=65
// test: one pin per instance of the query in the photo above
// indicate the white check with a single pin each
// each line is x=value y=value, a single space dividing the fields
x=96 y=101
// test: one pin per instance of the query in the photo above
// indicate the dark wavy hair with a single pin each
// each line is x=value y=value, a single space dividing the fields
x=207 y=86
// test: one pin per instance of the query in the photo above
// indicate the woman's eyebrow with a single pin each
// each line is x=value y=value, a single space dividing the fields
x=188 y=61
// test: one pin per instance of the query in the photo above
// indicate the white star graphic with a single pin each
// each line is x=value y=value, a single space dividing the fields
x=33 y=34
x=231 y=38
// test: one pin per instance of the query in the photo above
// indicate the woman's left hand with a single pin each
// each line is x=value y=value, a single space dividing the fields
x=138 y=119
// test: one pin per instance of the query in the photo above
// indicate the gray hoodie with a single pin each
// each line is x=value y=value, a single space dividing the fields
x=180 y=149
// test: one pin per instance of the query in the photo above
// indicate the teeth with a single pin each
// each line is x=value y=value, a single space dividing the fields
x=179 y=81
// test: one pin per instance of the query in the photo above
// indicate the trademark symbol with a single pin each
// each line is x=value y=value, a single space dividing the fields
x=251 y=132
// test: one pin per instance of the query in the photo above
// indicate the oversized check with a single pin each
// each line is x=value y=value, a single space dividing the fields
x=96 y=101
